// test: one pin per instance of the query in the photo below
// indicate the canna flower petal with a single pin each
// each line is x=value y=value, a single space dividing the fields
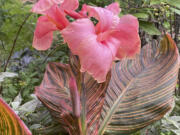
x=114 y=7
x=95 y=57
x=57 y=16
x=70 y=5
x=54 y=20
x=43 y=5
x=107 y=19
x=127 y=33
x=44 y=42
x=75 y=32
x=83 y=11
x=43 y=34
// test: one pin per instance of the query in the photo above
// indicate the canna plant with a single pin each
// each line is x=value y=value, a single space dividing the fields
x=93 y=95
x=135 y=94
x=109 y=87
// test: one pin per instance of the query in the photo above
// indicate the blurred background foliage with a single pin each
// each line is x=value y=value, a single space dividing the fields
x=155 y=17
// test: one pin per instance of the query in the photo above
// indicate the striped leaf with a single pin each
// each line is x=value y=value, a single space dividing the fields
x=55 y=94
x=10 y=123
x=141 y=90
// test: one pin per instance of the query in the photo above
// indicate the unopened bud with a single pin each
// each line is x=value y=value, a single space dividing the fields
x=75 y=98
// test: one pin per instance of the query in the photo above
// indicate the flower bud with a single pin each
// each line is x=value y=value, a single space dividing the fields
x=75 y=98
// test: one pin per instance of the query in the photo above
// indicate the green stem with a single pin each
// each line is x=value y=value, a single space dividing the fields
x=15 y=40
x=13 y=46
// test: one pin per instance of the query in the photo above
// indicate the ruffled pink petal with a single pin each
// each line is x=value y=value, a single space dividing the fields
x=74 y=33
x=57 y=1
x=83 y=11
x=43 y=5
x=106 y=18
x=69 y=5
x=43 y=34
x=127 y=33
x=95 y=57
x=114 y=7
x=57 y=16
x=44 y=42
x=44 y=26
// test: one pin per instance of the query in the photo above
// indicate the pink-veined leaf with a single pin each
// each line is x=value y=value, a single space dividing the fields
x=10 y=123
x=141 y=90
x=54 y=92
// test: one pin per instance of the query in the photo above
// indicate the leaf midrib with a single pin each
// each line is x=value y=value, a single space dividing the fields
x=112 y=110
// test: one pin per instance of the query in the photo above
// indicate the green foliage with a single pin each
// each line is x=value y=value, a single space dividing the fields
x=152 y=14
x=10 y=123
x=100 y=3
x=31 y=75
x=35 y=116
x=24 y=83
x=12 y=15
x=149 y=28
x=3 y=75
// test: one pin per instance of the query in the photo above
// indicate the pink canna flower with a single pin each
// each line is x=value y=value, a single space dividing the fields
x=97 y=46
x=54 y=19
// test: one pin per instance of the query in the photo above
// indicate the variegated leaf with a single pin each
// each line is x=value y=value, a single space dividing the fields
x=141 y=90
x=55 y=94
x=10 y=123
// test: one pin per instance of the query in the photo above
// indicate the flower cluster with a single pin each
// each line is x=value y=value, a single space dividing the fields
x=96 y=45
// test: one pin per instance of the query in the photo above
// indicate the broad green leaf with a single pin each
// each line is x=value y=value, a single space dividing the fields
x=141 y=90
x=55 y=95
x=16 y=102
x=171 y=121
x=149 y=28
x=177 y=11
x=10 y=123
x=29 y=106
x=154 y=2
x=166 y=24
x=4 y=75
x=177 y=132
x=175 y=3
x=141 y=15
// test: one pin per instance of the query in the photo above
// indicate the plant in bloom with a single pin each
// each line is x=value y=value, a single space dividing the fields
x=96 y=45
x=84 y=106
